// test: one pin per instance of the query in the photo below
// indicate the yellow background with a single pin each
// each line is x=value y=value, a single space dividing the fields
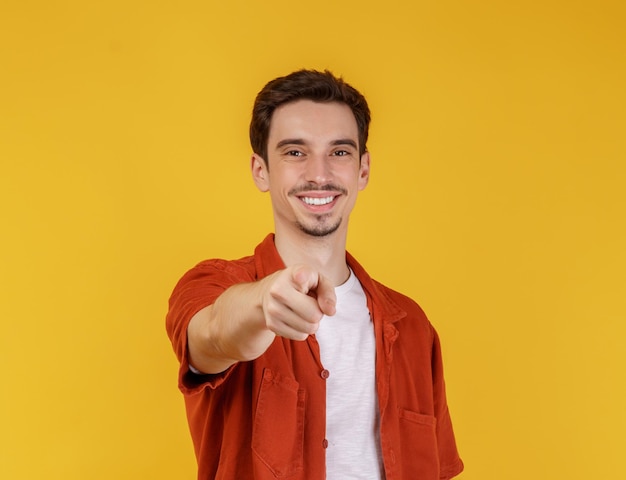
x=496 y=200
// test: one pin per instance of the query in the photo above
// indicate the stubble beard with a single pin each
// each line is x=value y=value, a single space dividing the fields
x=320 y=228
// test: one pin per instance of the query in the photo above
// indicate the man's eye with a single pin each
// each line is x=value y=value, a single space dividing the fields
x=295 y=153
x=341 y=153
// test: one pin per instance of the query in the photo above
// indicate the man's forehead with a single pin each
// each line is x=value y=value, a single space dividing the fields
x=302 y=118
x=305 y=103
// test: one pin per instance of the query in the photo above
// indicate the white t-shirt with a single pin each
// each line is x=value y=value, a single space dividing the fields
x=348 y=352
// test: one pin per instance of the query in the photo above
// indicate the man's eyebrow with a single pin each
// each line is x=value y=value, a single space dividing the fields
x=344 y=141
x=290 y=141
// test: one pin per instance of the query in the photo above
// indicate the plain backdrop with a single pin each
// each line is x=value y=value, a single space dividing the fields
x=497 y=201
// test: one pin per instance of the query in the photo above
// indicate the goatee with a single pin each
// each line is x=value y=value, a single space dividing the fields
x=320 y=229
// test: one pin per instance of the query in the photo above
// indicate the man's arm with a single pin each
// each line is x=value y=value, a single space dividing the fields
x=245 y=319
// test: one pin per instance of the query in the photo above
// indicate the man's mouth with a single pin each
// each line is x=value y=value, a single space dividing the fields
x=317 y=200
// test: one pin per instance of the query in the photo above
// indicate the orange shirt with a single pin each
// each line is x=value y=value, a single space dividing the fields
x=266 y=419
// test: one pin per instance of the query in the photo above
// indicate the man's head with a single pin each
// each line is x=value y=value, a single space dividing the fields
x=321 y=87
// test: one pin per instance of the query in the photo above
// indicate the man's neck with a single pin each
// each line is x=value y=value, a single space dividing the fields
x=326 y=254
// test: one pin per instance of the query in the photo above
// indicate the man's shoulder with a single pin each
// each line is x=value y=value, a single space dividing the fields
x=400 y=299
x=225 y=264
x=387 y=295
x=220 y=271
x=241 y=267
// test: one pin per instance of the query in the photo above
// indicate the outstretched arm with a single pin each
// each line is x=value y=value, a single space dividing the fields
x=245 y=319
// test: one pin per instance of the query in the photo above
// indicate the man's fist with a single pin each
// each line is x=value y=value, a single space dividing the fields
x=295 y=300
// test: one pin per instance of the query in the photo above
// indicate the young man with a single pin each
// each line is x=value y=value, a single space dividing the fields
x=295 y=364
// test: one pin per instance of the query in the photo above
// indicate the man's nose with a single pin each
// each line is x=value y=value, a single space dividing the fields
x=318 y=169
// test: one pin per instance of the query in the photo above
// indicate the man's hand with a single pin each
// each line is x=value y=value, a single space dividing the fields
x=295 y=300
x=245 y=319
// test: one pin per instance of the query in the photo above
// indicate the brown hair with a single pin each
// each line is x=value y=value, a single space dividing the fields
x=308 y=85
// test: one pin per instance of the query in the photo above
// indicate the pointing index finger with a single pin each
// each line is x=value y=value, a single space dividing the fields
x=326 y=298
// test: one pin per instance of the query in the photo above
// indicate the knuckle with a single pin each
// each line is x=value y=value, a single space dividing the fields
x=271 y=310
x=276 y=292
x=314 y=317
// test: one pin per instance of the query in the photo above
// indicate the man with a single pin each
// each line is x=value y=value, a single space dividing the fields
x=295 y=364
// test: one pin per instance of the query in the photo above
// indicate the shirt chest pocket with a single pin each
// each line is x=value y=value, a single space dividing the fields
x=278 y=428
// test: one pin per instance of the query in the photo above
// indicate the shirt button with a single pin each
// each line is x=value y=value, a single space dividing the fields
x=325 y=443
x=325 y=374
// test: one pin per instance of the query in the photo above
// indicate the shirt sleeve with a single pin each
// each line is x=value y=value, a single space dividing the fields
x=450 y=462
x=197 y=289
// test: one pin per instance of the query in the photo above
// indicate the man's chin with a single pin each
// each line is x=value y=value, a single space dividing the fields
x=319 y=230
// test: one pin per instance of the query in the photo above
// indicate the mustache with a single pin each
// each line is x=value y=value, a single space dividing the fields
x=314 y=187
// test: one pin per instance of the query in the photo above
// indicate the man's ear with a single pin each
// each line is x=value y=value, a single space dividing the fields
x=259 y=172
x=364 y=170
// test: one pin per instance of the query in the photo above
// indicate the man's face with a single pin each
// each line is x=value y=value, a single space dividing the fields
x=315 y=170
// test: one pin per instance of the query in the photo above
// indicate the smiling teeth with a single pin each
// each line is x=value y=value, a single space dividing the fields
x=317 y=201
